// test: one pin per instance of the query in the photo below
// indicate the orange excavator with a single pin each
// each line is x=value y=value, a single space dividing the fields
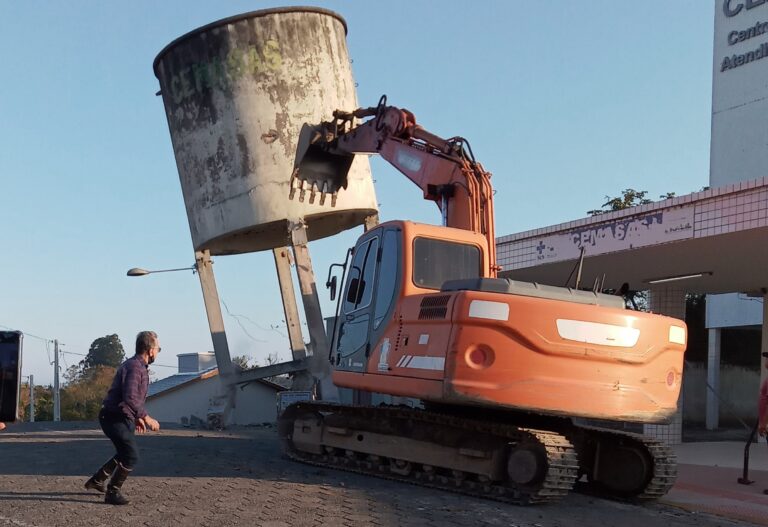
x=518 y=382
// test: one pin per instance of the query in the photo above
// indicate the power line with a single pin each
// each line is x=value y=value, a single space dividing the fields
x=153 y=364
x=27 y=334
x=238 y=317
x=48 y=341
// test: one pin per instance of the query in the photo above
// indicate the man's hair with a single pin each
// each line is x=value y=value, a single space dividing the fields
x=145 y=341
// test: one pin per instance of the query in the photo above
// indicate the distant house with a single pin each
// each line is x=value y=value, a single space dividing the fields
x=187 y=396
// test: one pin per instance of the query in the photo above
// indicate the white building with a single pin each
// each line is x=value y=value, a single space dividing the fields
x=739 y=148
x=187 y=396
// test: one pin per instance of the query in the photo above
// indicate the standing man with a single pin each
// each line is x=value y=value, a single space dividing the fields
x=122 y=415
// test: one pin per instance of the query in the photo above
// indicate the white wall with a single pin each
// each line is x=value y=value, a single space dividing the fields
x=738 y=388
x=725 y=311
x=191 y=399
x=739 y=149
x=255 y=403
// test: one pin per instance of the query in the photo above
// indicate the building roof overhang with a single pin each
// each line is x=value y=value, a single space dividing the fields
x=712 y=241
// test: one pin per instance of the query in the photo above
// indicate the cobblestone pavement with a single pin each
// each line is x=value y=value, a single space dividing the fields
x=238 y=477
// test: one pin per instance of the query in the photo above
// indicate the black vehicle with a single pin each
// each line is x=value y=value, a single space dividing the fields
x=10 y=375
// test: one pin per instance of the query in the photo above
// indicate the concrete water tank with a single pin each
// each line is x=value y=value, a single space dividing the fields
x=236 y=94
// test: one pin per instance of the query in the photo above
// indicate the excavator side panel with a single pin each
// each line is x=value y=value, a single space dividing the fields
x=564 y=358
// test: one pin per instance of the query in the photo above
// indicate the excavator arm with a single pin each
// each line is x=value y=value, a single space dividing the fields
x=444 y=169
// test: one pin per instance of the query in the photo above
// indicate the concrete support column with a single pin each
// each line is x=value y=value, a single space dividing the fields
x=204 y=267
x=319 y=365
x=668 y=301
x=713 y=379
x=302 y=380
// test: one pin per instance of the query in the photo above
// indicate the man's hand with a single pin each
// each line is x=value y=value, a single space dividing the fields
x=141 y=426
x=2 y=426
x=762 y=429
x=151 y=423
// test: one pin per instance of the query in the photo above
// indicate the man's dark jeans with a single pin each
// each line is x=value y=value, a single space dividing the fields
x=121 y=431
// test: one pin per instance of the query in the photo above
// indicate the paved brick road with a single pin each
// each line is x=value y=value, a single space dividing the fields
x=189 y=477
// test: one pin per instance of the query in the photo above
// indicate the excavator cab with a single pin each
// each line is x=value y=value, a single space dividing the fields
x=393 y=261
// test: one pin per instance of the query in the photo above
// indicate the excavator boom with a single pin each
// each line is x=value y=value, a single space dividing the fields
x=444 y=169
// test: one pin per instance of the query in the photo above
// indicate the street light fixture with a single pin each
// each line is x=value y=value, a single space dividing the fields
x=666 y=279
x=138 y=271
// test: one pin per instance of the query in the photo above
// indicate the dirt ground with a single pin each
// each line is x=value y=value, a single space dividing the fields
x=238 y=477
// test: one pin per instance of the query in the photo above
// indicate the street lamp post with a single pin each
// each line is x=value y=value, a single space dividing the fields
x=138 y=271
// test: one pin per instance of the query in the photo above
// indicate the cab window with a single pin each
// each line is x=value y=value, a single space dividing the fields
x=361 y=274
x=436 y=261
x=388 y=267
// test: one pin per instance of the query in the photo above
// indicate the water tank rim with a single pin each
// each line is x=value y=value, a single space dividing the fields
x=250 y=14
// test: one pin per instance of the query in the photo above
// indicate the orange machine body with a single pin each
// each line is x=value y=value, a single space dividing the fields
x=403 y=332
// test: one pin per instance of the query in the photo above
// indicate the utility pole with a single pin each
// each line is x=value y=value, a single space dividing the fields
x=56 y=395
x=31 y=398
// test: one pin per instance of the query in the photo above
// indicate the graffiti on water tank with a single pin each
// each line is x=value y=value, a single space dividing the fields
x=221 y=72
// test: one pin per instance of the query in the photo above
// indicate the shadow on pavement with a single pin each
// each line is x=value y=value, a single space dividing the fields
x=171 y=453
x=49 y=496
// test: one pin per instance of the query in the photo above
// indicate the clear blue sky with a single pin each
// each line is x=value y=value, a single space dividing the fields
x=563 y=101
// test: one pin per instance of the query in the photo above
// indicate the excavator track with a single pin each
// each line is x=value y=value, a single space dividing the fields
x=478 y=458
x=623 y=465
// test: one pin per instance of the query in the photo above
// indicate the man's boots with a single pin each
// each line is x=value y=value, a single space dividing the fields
x=113 y=495
x=99 y=479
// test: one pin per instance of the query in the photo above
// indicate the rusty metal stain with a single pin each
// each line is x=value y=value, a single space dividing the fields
x=270 y=136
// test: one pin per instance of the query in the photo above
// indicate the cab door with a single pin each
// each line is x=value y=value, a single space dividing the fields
x=369 y=301
x=355 y=317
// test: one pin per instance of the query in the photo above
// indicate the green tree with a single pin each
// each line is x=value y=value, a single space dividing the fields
x=104 y=351
x=83 y=392
x=629 y=198
x=241 y=361
x=43 y=403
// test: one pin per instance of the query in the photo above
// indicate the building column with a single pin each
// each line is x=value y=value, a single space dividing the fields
x=668 y=301
x=713 y=379
x=764 y=339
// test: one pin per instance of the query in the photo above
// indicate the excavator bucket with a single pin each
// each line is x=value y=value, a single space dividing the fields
x=317 y=168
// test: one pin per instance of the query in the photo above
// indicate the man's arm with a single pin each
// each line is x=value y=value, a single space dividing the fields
x=150 y=423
